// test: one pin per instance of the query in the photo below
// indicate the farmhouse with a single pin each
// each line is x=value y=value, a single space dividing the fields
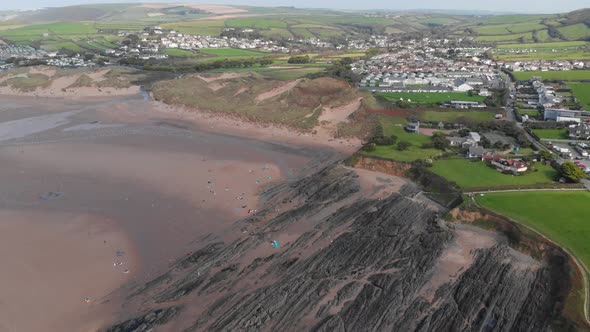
x=505 y=165
x=465 y=142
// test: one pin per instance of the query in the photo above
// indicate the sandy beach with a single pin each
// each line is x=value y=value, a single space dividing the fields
x=85 y=179
x=58 y=268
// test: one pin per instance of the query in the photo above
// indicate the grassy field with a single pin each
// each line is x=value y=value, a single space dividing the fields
x=571 y=75
x=545 y=46
x=576 y=31
x=506 y=29
x=561 y=216
x=532 y=56
x=518 y=18
x=582 y=92
x=531 y=113
x=527 y=36
x=419 y=97
x=468 y=174
x=175 y=52
x=551 y=133
x=452 y=116
x=230 y=52
x=395 y=126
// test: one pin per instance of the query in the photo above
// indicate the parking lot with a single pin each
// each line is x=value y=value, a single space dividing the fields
x=577 y=155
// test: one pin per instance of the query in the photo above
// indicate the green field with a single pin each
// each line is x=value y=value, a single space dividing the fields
x=61 y=28
x=561 y=216
x=452 y=116
x=230 y=52
x=276 y=32
x=518 y=18
x=175 y=52
x=530 y=113
x=527 y=36
x=532 y=56
x=545 y=46
x=506 y=29
x=468 y=174
x=571 y=75
x=395 y=126
x=551 y=133
x=576 y=31
x=255 y=23
x=434 y=97
x=582 y=92
x=204 y=28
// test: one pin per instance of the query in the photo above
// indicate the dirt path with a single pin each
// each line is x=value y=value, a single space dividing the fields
x=277 y=91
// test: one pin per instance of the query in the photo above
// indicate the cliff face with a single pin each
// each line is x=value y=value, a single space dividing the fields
x=350 y=263
x=384 y=166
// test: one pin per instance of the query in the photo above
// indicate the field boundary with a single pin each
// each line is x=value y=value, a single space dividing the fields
x=579 y=264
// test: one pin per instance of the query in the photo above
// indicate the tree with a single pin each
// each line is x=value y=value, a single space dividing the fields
x=403 y=145
x=545 y=154
x=439 y=141
x=463 y=132
x=299 y=59
x=572 y=172
x=265 y=62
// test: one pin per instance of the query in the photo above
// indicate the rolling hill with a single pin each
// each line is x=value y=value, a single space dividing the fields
x=504 y=29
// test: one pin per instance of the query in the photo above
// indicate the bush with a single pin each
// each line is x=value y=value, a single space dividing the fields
x=384 y=140
x=403 y=145
x=370 y=147
x=439 y=141
x=427 y=145
x=299 y=59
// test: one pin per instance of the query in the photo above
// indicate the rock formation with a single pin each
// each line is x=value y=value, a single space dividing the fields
x=350 y=263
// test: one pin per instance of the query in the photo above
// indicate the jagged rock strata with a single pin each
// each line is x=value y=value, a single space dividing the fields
x=350 y=263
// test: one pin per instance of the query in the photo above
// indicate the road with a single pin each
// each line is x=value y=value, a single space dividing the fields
x=511 y=116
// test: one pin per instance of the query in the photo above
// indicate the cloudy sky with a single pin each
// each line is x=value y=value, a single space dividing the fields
x=527 y=6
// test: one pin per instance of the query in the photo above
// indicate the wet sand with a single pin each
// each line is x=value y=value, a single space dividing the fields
x=78 y=173
x=56 y=269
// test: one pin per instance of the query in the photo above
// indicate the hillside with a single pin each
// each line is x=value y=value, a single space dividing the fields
x=574 y=26
x=298 y=104
x=211 y=19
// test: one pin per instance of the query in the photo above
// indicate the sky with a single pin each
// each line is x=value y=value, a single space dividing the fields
x=524 y=6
